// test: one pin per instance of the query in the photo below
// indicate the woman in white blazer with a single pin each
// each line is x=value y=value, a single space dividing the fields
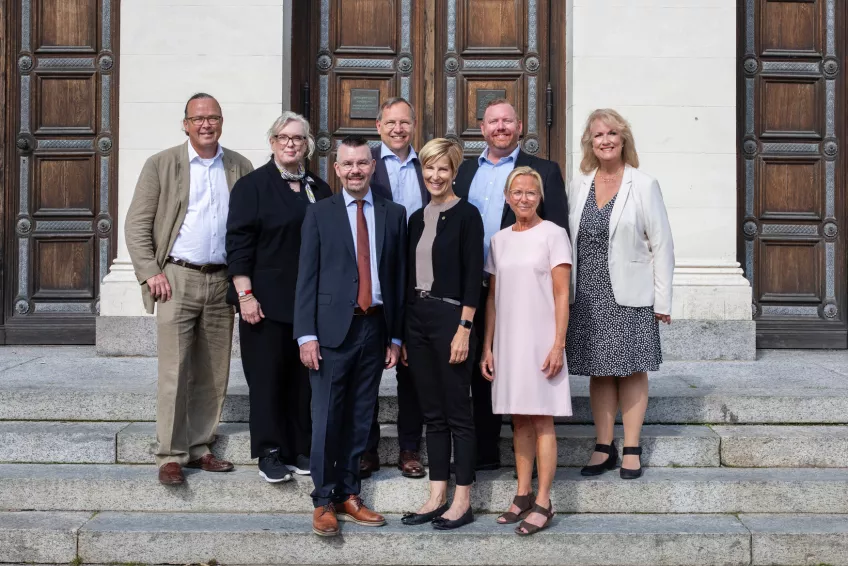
x=623 y=266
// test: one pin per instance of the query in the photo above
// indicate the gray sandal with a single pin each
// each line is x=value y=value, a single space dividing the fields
x=523 y=502
x=533 y=529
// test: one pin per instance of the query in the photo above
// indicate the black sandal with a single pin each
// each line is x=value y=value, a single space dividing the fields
x=608 y=464
x=533 y=529
x=627 y=473
x=523 y=502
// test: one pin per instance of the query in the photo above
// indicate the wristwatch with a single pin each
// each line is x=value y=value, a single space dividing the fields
x=466 y=324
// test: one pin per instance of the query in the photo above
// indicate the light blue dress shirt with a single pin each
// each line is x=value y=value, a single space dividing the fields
x=403 y=179
x=368 y=210
x=487 y=193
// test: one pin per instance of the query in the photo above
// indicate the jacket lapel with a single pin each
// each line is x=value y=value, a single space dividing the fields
x=379 y=225
x=344 y=223
x=623 y=194
x=183 y=172
x=229 y=170
x=425 y=194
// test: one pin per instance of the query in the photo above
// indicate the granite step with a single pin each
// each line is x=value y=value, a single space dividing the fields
x=663 y=445
x=114 y=487
x=798 y=539
x=41 y=538
x=783 y=446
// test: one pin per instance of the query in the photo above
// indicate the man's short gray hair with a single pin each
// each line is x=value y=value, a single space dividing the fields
x=285 y=118
x=391 y=102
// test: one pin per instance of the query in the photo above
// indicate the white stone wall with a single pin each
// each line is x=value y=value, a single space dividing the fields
x=669 y=67
x=170 y=49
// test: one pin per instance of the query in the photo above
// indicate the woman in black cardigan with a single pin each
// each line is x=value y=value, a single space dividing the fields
x=445 y=269
x=267 y=208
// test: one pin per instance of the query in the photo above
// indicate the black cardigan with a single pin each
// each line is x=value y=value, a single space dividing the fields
x=457 y=253
x=263 y=237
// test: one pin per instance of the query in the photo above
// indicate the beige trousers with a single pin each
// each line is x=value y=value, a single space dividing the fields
x=195 y=330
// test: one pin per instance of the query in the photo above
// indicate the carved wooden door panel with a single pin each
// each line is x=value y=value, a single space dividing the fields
x=792 y=170
x=367 y=51
x=493 y=49
x=59 y=199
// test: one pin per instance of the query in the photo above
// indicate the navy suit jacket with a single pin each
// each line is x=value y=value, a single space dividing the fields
x=327 y=278
x=381 y=185
x=554 y=207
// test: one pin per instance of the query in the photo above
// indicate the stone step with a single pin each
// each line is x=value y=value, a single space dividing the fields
x=32 y=537
x=59 y=442
x=98 y=487
x=663 y=445
x=798 y=539
x=784 y=446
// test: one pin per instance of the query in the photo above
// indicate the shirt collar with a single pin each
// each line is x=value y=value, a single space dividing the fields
x=192 y=154
x=386 y=152
x=369 y=198
x=484 y=157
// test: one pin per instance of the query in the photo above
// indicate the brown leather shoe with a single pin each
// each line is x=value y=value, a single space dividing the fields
x=209 y=463
x=409 y=463
x=353 y=509
x=368 y=464
x=324 y=521
x=171 y=474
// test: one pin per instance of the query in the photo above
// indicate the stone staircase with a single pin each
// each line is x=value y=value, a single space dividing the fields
x=747 y=464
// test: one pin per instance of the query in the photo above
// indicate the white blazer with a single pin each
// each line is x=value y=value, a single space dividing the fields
x=641 y=250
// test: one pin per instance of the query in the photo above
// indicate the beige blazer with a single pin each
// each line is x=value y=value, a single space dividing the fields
x=641 y=250
x=158 y=209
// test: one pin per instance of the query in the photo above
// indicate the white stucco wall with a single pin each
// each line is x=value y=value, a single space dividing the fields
x=669 y=67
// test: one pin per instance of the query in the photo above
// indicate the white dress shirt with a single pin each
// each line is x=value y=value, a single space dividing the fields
x=368 y=210
x=201 y=239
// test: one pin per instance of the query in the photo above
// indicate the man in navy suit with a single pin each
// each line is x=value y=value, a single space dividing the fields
x=348 y=323
x=481 y=181
x=397 y=177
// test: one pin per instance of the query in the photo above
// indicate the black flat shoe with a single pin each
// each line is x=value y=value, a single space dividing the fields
x=626 y=473
x=442 y=524
x=608 y=464
x=421 y=518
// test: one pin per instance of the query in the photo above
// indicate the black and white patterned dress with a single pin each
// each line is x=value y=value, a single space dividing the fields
x=605 y=338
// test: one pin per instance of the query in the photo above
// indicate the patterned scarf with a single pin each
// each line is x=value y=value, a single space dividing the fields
x=301 y=172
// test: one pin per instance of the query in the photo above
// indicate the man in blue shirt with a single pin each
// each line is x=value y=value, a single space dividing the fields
x=398 y=178
x=482 y=181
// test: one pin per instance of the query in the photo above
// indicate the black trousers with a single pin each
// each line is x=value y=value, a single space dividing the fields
x=344 y=395
x=410 y=422
x=486 y=424
x=443 y=388
x=280 y=393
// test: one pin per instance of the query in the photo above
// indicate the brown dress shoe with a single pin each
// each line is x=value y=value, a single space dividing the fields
x=353 y=509
x=324 y=521
x=171 y=474
x=409 y=463
x=368 y=464
x=209 y=463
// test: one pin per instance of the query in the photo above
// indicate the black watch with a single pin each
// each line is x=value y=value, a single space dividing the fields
x=466 y=324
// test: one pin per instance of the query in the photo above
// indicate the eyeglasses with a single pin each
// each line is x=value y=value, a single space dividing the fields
x=349 y=165
x=198 y=120
x=518 y=195
x=390 y=124
x=284 y=139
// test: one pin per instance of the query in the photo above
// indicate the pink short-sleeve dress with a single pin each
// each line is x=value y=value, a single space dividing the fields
x=525 y=325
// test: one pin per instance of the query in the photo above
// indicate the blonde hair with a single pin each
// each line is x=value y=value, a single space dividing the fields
x=437 y=148
x=529 y=172
x=590 y=161
x=283 y=120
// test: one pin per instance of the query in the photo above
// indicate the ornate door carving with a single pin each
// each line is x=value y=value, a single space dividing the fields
x=61 y=166
x=792 y=170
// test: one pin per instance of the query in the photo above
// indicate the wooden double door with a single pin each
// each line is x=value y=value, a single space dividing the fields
x=447 y=57
x=59 y=162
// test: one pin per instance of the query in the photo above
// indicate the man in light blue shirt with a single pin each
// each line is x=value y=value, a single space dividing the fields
x=487 y=194
x=397 y=177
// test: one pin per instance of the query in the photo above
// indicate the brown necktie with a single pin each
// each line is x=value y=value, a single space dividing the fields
x=363 y=258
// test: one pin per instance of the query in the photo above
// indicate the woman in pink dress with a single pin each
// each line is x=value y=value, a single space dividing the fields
x=524 y=350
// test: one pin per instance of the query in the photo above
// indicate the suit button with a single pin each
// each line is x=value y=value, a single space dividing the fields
x=352 y=303
x=355 y=279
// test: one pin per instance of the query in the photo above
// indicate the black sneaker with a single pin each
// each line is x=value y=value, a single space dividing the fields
x=301 y=465
x=272 y=469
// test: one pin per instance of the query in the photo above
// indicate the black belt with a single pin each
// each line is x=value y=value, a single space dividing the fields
x=427 y=295
x=372 y=310
x=208 y=268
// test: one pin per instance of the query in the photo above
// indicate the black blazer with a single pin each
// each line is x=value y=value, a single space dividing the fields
x=457 y=253
x=327 y=275
x=263 y=237
x=381 y=185
x=554 y=206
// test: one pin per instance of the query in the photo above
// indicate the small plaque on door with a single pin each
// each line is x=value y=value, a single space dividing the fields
x=364 y=103
x=484 y=96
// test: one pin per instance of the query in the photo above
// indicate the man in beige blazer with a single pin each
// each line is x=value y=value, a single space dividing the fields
x=175 y=230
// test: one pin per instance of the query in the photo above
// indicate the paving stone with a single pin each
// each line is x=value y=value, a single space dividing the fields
x=798 y=539
x=62 y=442
x=39 y=537
x=709 y=340
x=116 y=487
x=287 y=539
x=752 y=446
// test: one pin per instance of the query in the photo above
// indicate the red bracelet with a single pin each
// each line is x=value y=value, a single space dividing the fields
x=245 y=292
